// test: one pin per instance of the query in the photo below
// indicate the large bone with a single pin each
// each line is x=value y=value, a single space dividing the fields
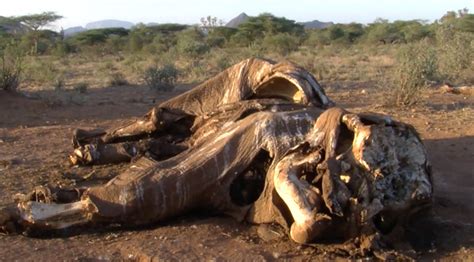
x=303 y=200
x=56 y=216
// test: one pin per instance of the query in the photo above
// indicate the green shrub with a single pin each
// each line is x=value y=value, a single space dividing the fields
x=96 y=36
x=10 y=68
x=62 y=48
x=135 y=42
x=456 y=52
x=416 y=67
x=58 y=83
x=161 y=78
x=282 y=43
x=215 y=41
x=117 y=79
x=191 y=43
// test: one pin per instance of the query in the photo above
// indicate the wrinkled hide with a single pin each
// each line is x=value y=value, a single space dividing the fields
x=247 y=80
x=258 y=143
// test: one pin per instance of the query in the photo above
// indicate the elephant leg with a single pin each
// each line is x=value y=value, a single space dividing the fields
x=100 y=154
x=56 y=216
x=156 y=120
x=129 y=132
x=145 y=126
x=46 y=208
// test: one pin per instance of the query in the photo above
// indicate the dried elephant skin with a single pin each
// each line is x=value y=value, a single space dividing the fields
x=247 y=80
x=320 y=173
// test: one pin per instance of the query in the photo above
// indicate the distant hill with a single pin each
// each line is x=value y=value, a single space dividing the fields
x=316 y=24
x=73 y=30
x=235 y=22
x=109 y=24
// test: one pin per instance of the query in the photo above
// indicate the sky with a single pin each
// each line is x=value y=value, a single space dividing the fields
x=78 y=13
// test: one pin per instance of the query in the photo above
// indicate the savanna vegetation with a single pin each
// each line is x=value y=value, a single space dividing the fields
x=401 y=56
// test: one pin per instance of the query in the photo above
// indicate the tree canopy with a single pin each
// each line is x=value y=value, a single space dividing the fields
x=37 y=21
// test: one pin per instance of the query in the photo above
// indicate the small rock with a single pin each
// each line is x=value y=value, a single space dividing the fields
x=194 y=227
x=162 y=238
x=276 y=255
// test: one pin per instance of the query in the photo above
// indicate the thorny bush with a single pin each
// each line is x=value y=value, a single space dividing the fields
x=161 y=78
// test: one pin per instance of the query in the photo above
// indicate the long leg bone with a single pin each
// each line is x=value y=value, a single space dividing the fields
x=303 y=200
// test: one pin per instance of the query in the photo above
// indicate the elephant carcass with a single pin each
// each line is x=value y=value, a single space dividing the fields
x=255 y=142
x=324 y=173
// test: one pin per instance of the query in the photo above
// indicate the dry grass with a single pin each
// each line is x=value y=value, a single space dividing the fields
x=334 y=66
x=329 y=66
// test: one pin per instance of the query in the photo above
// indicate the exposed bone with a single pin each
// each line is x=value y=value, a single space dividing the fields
x=459 y=90
x=56 y=216
x=303 y=200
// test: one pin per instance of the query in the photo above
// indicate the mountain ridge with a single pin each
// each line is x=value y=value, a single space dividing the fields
x=109 y=23
x=233 y=23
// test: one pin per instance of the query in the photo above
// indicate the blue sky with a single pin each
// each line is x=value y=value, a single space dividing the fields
x=180 y=11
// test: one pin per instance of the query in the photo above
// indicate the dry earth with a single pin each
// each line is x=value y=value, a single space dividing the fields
x=35 y=140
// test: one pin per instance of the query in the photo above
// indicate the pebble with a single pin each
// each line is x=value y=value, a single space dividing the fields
x=162 y=238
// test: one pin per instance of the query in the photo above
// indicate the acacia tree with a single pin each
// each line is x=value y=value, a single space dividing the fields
x=266 y=25
x=36 y=21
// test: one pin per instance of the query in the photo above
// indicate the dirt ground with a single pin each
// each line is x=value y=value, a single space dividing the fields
x=35 y=139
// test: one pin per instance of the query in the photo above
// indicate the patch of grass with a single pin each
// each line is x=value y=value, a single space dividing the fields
x=41 y=71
